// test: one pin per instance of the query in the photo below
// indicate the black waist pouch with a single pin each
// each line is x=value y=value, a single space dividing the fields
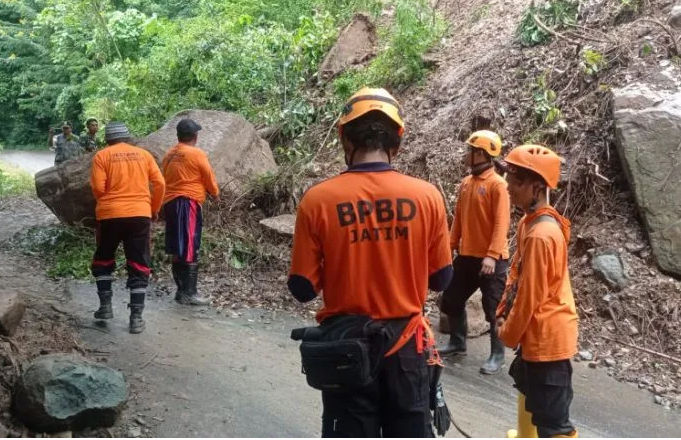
x=344 y=353
x=337 y=365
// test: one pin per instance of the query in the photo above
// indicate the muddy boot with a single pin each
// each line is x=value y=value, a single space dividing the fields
x=458 y=328
x=190 y=295
x=177 y=276
x=496 y=358
x=105 y=310
x=136 y=307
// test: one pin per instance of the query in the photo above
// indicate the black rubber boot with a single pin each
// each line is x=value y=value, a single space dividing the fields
x=136 y=307
x=495 y=362
x=190 y=296
x=458 y=329
x=105 y=310
x=177 y=276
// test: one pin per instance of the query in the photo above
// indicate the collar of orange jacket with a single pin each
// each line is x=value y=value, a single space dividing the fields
x=550 y=210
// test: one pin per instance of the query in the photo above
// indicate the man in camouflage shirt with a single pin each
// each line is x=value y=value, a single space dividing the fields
x=88 y=140
x=66 y=145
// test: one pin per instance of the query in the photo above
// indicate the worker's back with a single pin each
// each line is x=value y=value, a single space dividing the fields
x=381 y=233
x=120 y=179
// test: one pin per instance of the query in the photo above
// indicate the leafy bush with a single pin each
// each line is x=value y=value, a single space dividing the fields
x=555 y=14
x=545 y=108
x=592 y=62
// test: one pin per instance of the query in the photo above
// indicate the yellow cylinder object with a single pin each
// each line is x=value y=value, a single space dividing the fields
x=525 y=427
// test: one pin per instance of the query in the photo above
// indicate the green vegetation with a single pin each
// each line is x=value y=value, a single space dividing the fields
x=15 y=182
x=555 y=14
x=68 y=250
x=416 y=29
x=141 y=61
x=592 y=62
x=545 y=108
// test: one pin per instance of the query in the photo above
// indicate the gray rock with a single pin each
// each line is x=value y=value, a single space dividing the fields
x=609 y=362
x=283 y=224
x=234 y=148
x=658 y=400
x=648 y=129
x=355 y=45
x=62 y=392
x=609 y=267
x=11 y=311
x=586 y=355
x=675 y=17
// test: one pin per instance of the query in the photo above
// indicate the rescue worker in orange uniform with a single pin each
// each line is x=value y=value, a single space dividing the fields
x=120 y=178
x=188 y=177
x=479 y=237
x=537 y=314
x=371 y=242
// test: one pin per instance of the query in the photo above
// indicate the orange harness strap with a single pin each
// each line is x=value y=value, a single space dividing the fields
x=425 y=339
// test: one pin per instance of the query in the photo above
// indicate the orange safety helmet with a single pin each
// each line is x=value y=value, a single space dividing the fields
x=486 y=140
x=539 y=159
x=370 y=99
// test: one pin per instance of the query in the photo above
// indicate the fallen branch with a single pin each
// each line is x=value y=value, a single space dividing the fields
x=545 y=28
x=645 y=350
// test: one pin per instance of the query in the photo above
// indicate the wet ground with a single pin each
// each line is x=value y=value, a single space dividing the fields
x=198 y=373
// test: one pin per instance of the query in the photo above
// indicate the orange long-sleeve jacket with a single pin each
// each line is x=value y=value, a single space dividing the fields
x=482 y=217
x=120 y=178
x=542 y=318
x=188 y=174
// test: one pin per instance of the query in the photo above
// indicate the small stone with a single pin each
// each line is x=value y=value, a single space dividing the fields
x=633 y=331
x=610 y=362
x=135 y=431
x=658 y=400
x=659 y=389
x=593 y=364
x=675 y=17
x=586 y=355
x=608 y=266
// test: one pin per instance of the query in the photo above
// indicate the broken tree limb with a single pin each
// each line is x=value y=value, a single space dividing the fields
x=645 y=350
x=545 y=28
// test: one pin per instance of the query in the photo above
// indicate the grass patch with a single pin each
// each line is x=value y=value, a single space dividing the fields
x=15 y=182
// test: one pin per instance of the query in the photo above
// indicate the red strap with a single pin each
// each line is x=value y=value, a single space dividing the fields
x=425 y=339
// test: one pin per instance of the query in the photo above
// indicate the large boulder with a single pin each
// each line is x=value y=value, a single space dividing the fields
x=61 y=392
x=355 y=45
x=234 y=148
x=65 y=189
x=648 y=130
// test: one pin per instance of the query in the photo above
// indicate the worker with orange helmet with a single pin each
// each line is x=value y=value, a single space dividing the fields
x=373 y=240
x=479 y=236
x=537 y=315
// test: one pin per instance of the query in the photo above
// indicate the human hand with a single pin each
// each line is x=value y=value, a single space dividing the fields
x=489 y=264
x=500 y=322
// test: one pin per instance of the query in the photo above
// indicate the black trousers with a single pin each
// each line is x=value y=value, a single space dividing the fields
x=135 y=233
x=467 y=280
x=547 y=387
x=395 y=405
